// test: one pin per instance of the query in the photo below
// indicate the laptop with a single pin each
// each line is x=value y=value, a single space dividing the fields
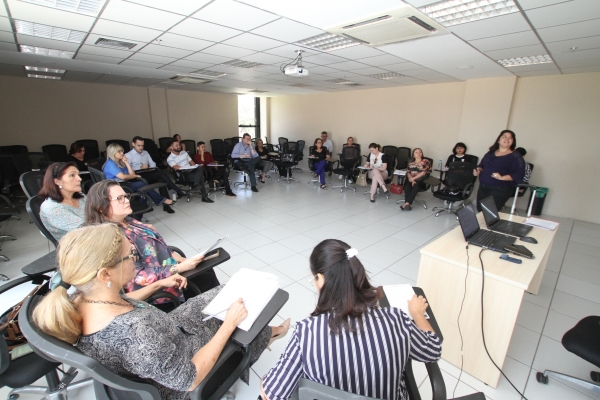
x=141 y=171
x=480 y=237
x=493 y=221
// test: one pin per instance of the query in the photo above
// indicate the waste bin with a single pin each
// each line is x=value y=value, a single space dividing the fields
x=538 y=202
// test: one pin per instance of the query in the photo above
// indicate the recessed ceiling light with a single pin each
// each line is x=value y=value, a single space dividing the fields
x=243 y=64
x=48 y=32
x=42 y=51
x=114 y=44
x=205 y=72
x=86 y=7
x=386 y=75
x=518 y=61
x=455 y=12
x=340 y=81
x=328 y=42
x=42 y=69
x=56 y=78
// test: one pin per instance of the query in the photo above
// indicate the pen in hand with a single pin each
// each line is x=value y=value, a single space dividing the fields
x=220 y=312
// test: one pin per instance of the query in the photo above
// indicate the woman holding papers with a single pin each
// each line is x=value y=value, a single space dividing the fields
x=332 y=348
x=107 y=202
x=173 y=352
x=377 y=161
x=218 y=173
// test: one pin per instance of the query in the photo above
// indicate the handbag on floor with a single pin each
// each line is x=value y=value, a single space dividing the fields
x=362 y=179
x=396 y=189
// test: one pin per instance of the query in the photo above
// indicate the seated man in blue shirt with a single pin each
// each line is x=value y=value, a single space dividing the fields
x=243 y=152
x=181 y=159
x=139 y=159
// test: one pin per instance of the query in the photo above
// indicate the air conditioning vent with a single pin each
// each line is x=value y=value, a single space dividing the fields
x=115 y=44
x=398 y=25
x=189 y=79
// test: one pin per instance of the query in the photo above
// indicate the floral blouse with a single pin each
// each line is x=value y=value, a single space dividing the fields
x=155 y=258
x=416 y=168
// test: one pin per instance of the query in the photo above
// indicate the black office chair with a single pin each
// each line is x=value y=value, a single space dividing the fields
x=425 y=187
x=123 y=143
x=581 y=340
x=190 y=147
x=33 y=206
x=403 y=155
x=459 y=186
x=91 y=149
x=9 y=175
x=289 y=159
x=22 y=372
x=281 y=146
x=25 y=162
x=183 y=178
x=347 y=165
x=32 y=182
x=301 y=144
x=157 y=156
x=218 y=150
x=56 y=152
x=14 y=149
x=6 y=213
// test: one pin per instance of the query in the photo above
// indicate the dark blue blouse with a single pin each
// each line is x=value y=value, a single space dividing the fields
x=511 y=164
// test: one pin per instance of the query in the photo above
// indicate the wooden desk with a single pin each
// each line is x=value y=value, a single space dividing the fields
x=442 y=276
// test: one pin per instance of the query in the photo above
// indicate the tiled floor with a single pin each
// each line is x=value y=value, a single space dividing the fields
x=276 y=229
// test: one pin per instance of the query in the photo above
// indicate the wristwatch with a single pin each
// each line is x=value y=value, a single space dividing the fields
x=173 y=270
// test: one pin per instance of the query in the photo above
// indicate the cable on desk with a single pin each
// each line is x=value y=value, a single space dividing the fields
x=458 y=324
x=483 y=335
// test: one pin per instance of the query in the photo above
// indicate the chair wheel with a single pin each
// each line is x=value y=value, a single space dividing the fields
x=595 y=376
x=541 y=378
x=13 y=396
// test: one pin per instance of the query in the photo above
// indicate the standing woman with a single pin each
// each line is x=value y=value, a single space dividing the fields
x=377 y=161
x=204 y=158
x=63 y=208
x=117 y=168
x=265 y=165
x=322 y=157
x=500 y=170
x=415 y=173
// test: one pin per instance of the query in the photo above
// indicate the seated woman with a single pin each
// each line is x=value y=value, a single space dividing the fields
x=177 y=138
x=107 y=202
x=117 y=168
x=320 y=342
x=417 y=169
x=76 y=155
x=64 y=204
x=203 y=158
x=500 y=170
x=322 y=156
x=377 y=161
x=265 y=165
x=349 y=142
x=458 y=154
x=174 y=352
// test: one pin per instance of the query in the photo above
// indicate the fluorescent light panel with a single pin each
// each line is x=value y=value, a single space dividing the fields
x=340 y=81
x=86 y=7
x=300 y=85
x=42 y=51
x=519 y=61
x=205 y=72
x=114 y=44
x=455 y=12
x=57 y=78
x=328 y=42
x=42 y=69
x=49 y=32
x=243 y=64
x=386 y=75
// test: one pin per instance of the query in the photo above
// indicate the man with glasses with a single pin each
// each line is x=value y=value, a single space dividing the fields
x=244 y=153
x=181 y=161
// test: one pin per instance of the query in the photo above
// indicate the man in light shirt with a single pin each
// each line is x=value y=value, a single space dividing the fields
x=140 y=160
x=179 y=159
x=244 y=153
x=329 y=146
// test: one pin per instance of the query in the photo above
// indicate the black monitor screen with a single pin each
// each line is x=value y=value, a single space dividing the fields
x=490 y=212
x=468 y=221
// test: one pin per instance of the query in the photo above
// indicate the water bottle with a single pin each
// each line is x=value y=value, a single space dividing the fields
x=439 y=165
x=174 y=196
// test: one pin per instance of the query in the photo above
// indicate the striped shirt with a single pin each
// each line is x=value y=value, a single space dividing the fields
x=370 y=363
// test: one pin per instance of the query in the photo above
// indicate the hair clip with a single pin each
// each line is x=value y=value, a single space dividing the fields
x=351 y=253
x=57 y=281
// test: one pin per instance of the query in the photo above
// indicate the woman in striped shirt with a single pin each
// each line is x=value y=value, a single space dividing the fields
x=359 y=348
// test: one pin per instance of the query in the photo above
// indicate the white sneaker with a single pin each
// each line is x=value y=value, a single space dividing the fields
x=228 y=396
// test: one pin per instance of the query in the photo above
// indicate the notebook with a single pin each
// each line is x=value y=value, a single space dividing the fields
x=479 y=237
x=493 y=221
x=256 y=288
x=399 y=295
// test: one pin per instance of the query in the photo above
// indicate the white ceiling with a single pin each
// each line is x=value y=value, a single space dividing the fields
x=184 y=36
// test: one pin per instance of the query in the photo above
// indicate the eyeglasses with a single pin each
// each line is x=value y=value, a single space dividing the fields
x=133 y=254
x=121 y=198
x=119 y=151
x=312 y=280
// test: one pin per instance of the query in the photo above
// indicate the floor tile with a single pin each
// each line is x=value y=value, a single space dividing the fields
x=523 y=345
x=271 y=253
x=532 y=316
x=553 y=356
x=299 y=242
x=557 y=325
x=295 y=266
x=251 y=241
x=579 y=288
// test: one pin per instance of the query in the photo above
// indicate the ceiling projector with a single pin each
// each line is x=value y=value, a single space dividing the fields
x=296 y=70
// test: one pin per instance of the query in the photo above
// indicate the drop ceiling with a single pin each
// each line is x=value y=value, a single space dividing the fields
x=185 y=36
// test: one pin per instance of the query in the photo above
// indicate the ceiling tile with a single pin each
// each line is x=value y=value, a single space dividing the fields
x=185 y=7
x=287 y=31
x=80 y=76
x=5 y=25
x=136 y=63
x=529 y=4
x=577 y=55
x=578 y=63
x=139 y=15
x=204 y=30
x=489 y=27
x=382 y=60
x=207 y=58
x=230 y=52
x=518 y=39
x=564 y=13
x=264 y=58
x=165 y=51
x=322 y=70
x=125 y=31
x=407 y=66
x=8 y=46
x=3 y=10
x=143 y=82
x=421 y=72
x=254 y=42
x=539 y=73
x=565 y=46
x=104 y=51
x=355 y=52
x=348 y=65
x=175 y=68
x=525 y=51
x=47 y=43
x=570 y=31
x=190 y=64
x=324 y=59
x=152 y=58
x=93 y=38
x=579 y=70
x=96 y=58
x=369 y=71
x=7 y=37
x=289 y=51
x=183 y=42
x=114 y=79
x=235 y=15
x=49 y=16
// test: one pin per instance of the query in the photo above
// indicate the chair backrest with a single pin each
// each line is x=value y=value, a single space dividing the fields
x=163 y=142
x=403 y=155
x=91 y=148
x=123 y=143
x=190 y=146
x=471 y=159
x=350 y=156
x=66 y=353
x=14 y=149
x=309 y=390
x=426 y=186
x=25 y=162
x=152 y=149
x=32 y=182
x=9 y=169
x=218 y=148
x=459 y=175
x=56 y=152
x=301 y=144
x=282 y=141
x=390 y=151
x=33 y=209
x=97 y=174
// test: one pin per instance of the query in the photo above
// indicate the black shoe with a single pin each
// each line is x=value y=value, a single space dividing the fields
x=207 y=200
x=182 y=194
x=372 y=200
x=230 y=194
x=168 y=209
x=254 y=189
x=408 y=208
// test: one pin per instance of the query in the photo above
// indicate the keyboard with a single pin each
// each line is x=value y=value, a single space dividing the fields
x=485 y=238
x=506 y=226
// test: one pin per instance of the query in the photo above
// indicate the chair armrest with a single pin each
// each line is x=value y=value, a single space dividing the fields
x=7 y=201
x=438 y=388
x=176 y=250
x=161 y=294
x=245 y=338
x=147 y=188
x=466 y=193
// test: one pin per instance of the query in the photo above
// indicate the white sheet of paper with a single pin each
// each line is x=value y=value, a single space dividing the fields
x=399 y=295
x=400 y=172
x=541 y=223
x=215 y=244
x=188 y=167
